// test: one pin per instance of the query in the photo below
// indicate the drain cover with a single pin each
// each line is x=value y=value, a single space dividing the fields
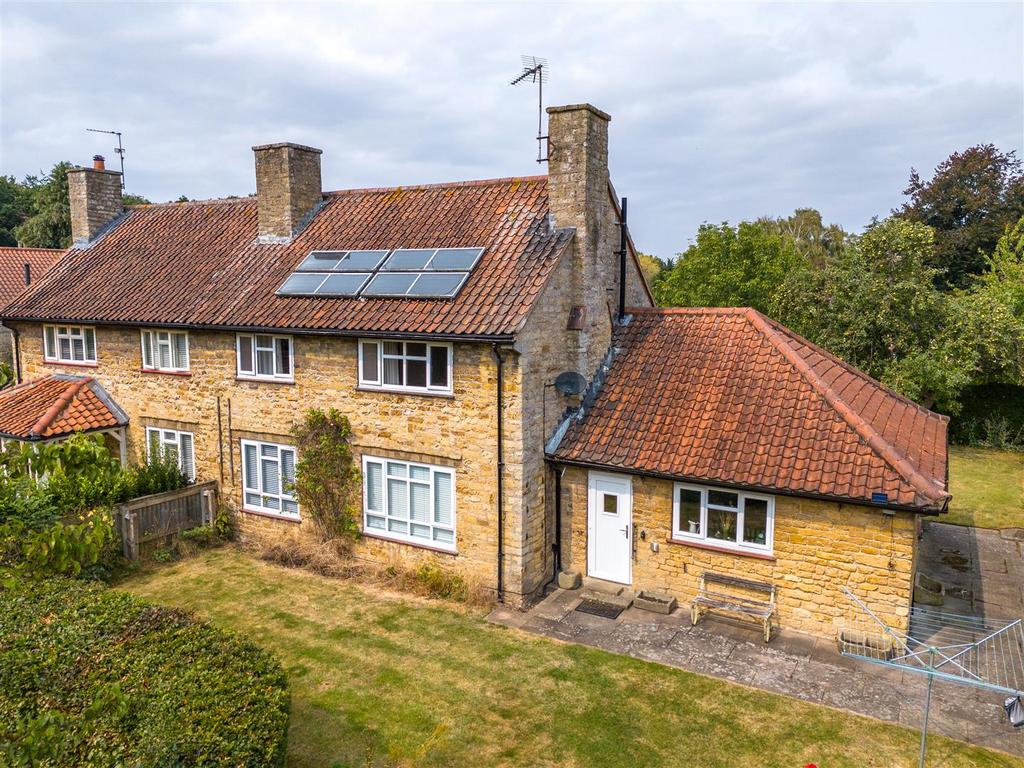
x=599 y=608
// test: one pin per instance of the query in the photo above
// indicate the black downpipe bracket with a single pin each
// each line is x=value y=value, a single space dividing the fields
x=622 y=263
x=501 y=474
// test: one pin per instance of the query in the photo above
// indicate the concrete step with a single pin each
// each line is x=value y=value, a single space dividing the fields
x=607 y=592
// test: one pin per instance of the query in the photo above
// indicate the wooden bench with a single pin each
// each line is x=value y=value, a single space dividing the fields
x=710 y=597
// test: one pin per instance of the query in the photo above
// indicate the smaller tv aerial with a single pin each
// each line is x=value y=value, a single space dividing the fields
x=119 y=149
x=535 y=70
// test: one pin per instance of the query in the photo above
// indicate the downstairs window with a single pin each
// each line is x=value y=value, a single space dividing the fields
x=409 y=502
x=731 y=519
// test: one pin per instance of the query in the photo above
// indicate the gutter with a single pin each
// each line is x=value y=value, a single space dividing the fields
x=754 y=488
x=490 y=338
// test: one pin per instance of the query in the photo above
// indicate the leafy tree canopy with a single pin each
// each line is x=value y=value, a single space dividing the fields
x=973 y=196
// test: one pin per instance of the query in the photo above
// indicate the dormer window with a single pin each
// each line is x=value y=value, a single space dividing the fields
x=406 y=366
x=71 y=344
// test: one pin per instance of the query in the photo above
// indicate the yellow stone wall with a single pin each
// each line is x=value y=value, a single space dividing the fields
x=819 y=547
x=457 y=431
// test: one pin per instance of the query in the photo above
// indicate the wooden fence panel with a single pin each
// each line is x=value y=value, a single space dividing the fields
x=150 y=522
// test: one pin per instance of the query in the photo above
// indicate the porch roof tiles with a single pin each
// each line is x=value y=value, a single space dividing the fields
x=57 y=406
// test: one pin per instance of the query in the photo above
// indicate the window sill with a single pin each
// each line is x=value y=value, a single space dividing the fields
x=73 y=365
x=165 y=373
x=271 y=515
x=409 y=392
x=380 y=537
x=724 y=550
x=264 y=380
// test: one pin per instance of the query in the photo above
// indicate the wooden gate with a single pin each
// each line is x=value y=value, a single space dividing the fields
x=149 y=522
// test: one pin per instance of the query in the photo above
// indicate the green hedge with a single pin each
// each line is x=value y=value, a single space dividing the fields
x=94 y=677
x=990 y=415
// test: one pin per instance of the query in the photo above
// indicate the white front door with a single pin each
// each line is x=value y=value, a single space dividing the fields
x=610 y=528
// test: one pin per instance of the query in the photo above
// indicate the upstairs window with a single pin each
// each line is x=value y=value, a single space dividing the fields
x=165 y=351
x=169 y=443
x=730 y=519
x=69 y=344
x=406 y=366
x=265 y=357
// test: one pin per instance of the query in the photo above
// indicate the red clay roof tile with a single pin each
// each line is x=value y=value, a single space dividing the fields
x=199 y=264
x=56 y=406
x=12 y=268
x=729 y=396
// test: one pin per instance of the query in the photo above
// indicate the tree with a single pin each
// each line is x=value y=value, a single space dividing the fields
x=50 y=224
x=129 y=199
x=972 y=197
x=746 y=265
x=876 y=306
x=650 y=265
x=15 y=207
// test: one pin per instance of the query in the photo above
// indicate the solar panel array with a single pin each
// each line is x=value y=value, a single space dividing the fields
x=422 y=273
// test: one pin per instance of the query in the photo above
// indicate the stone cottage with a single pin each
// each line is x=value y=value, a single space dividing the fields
x=438 y=319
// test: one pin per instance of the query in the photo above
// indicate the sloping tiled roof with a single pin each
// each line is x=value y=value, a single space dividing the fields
x=729 y=396
x=12 y=268
x=55 y=406
x=198 y=263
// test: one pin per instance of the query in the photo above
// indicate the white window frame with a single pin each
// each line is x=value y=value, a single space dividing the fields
x=365 y=382
x=257 y=485
x=383 y=514
x=173 y=437
x=279 y=374
x=739 y=545
x=70 y=333
x=156 y=342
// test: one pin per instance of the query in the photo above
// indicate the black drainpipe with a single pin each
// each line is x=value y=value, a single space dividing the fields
x=501 y=475
x=556 y=546
x=622 y=263
x=16 y=348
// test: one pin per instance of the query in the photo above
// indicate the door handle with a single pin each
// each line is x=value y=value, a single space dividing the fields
x=625 y=531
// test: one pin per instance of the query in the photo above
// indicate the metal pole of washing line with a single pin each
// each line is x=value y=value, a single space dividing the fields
x=927 y=710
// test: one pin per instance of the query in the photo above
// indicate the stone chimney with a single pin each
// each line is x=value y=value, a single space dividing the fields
x=95 y=198
x=288 y=189
x=579 y=196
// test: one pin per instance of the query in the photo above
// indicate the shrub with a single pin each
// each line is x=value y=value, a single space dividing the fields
x=93 y=677
x=326 y=474
x=992 y=415
x=63 y=548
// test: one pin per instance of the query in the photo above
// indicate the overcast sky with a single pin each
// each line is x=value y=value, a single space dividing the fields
x=719 y=111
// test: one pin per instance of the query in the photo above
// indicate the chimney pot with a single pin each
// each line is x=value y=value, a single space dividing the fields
x=288 y=189
x=98 y=162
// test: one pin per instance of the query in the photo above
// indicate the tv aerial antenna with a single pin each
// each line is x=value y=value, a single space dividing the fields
x=119 y=149
x=535 y=70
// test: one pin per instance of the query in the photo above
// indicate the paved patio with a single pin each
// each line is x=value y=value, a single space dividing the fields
x=984 y=573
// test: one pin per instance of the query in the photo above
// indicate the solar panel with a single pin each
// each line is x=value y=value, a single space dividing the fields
x=394 y=284
x=439 y=284
x=455 y=258
x=408 y=258
x=321 y=261
x=343 y=284
x=301 y=284
x=436 y=273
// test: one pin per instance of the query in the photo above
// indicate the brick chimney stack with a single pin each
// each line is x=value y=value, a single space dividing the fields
x=288 y=189
x=95 y=199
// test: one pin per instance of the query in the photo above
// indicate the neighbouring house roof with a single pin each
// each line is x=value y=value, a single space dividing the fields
x=57 y=406
x=198 y=263
x=729 y=396
x=12 y=268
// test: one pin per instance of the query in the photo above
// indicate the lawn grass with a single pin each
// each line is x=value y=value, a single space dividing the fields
x=380 y=679
x=987 y=487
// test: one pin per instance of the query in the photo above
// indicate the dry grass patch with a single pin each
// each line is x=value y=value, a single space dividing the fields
x=379 y=678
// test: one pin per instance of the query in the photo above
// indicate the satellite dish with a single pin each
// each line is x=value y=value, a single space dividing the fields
x=570 y=383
